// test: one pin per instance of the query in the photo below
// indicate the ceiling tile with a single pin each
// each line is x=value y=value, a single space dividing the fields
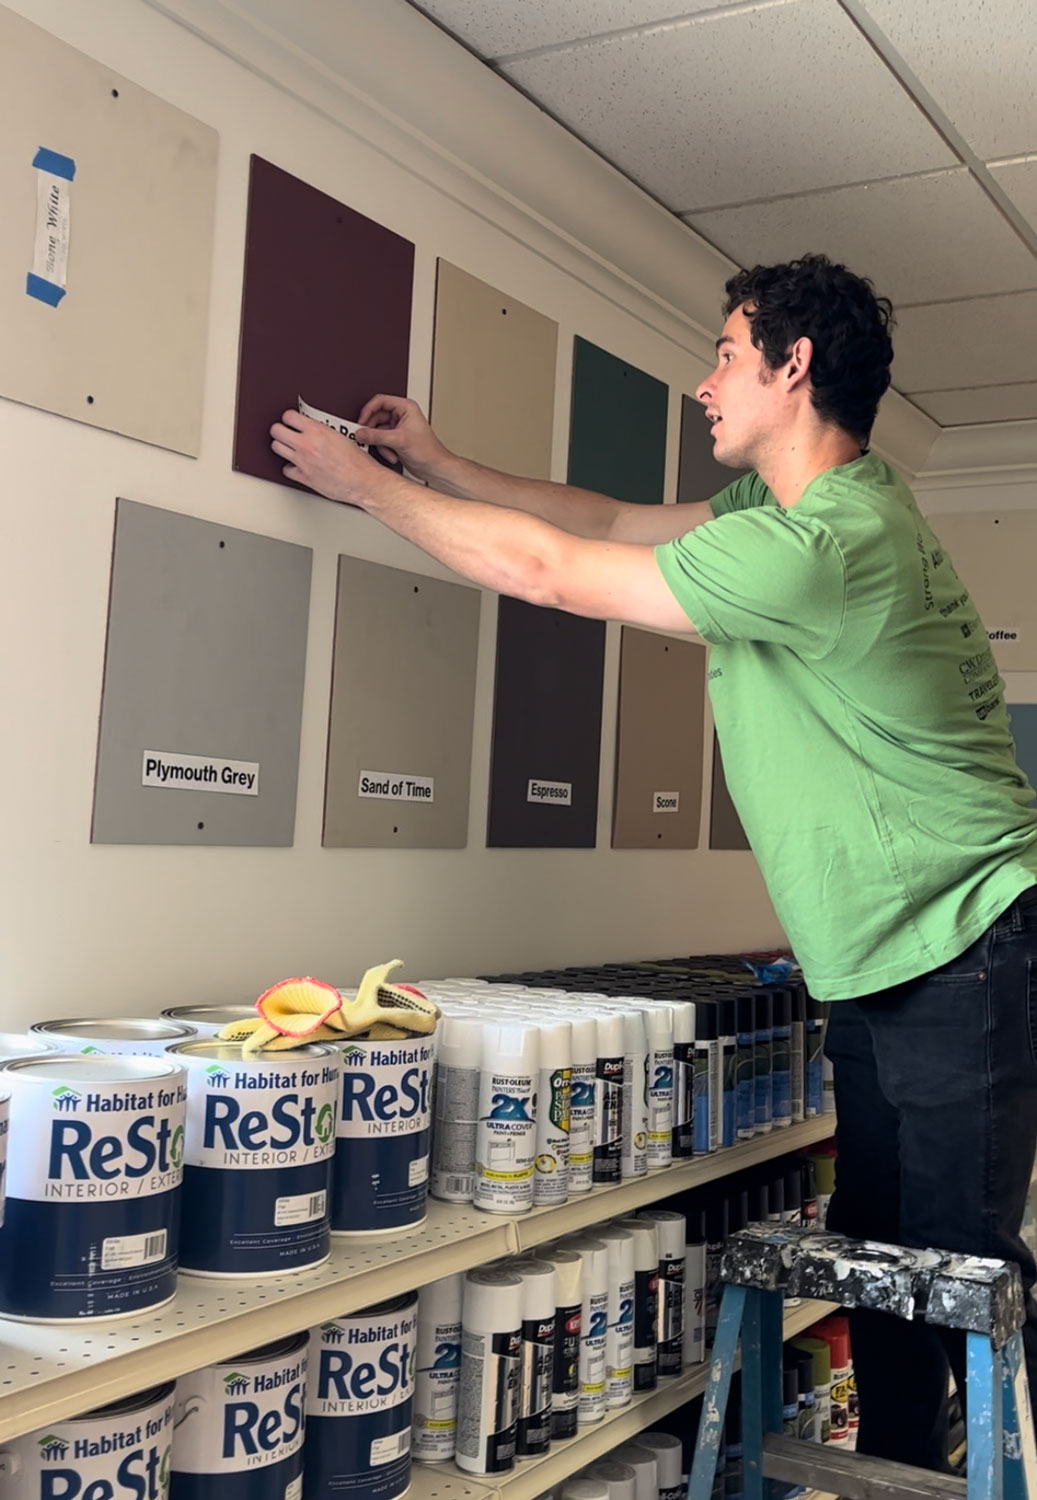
x=1019 y=180
x=978 y=59
x=988 y=403
x=954 y=345
x=702 y=113
x=506 y=26
x=919 y=239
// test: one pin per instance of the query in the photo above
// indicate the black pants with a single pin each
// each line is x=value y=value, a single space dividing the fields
x=936 y=1102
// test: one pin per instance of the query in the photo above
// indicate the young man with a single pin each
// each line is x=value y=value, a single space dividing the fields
x=866 y=745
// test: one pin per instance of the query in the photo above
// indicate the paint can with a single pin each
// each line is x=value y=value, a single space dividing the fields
x=257 y=1158
x=456 y=1106
x=659 y=1024
x=585 y=1489
x=620 y=1478
x=594 y=1322
x=491 y=1345
x=238 y=1426
x=359 y=1398
x=634 y=1153
x=5 y=1125
x=23 y=1044
x=125 y=1036
x=439 y=1369
x=646 y=1299
x=505 y=1142
x=707 y=1084
x=670 y=1228
x=669 y=1457
x=536 y=1370
x=581 y=1101
x=119 y=1449
x=380 y=1182
x=554 y=1102
x=619 y=1359
x=695 y=1287
x=646 y=1469
x=208 y=1020
x=93 y=1186
x=608 y=1099
x=565 y=1389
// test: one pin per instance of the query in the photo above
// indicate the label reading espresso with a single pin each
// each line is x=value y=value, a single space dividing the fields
x=558 y=792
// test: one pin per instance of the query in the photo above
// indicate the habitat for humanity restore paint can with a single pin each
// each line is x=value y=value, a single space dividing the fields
x=92 y=1220
x=360 y=1394
x=257 y=1158
x=238 y=1427
x=123 y=1035
x=208 y=1020
x=382 y=1152
x=120 y=1450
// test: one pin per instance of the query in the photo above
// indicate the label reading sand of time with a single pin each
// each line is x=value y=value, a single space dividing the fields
x=200 y=773
x=391 y=786
x=558 y=792
x=664 y=802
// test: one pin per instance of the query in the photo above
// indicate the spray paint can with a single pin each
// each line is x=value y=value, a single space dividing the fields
x=716 y=1233
x=790 y=1399
x=554 y=1094
x=585 y=1489
x=836 y=1334
x=581 y=1104
x=646 y=1300
x=383 y=1136
x=593 y=1327
x=634 y=1155
x=456 y=1103
x=695 y=1287
x=707 y=1084
x=121 y=1036
x=438 y=1369
x=781 y=1059
x=208 y=1020
x=238 y=1426
x=619 y=1360
x=359 y=1396
x=669 y=1459
x=536 y=1359
x=619 y=1478
x=565 y=1388
x=117 y=1449
x=807 y=1432
x=822 y=1358
x=257 y=1158
x=671 y=1231
x=491 y=1346
x=813 y=1067
x=683 y=1077
x=91 y=1221
x=727 y=1048
x=608 y=1099
x=646 y=1470
x=764 y=1083
x=745 y=1069
x=658 y=1022
x=505 y=1142
x=797 y=1032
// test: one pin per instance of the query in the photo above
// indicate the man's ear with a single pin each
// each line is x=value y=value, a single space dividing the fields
x=797 y=368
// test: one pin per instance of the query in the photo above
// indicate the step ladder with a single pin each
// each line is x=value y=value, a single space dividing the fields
x=984 y=1297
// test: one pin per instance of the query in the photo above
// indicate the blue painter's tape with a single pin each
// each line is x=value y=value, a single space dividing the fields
x=43 y=291
x=54 y=163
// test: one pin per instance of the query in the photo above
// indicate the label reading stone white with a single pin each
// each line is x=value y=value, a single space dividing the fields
x=664 y=802
x=558 y=792
x=1005 y=633
x=392 y=787
x=303 y=1208
x=200 y=773
x=133 y=1250
x=385 y=1449
x=417 y=1172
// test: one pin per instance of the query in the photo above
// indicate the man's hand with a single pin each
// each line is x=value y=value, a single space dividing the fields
x=399 y=428
x=326 y=461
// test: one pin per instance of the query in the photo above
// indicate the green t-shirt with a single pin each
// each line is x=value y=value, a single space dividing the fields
x=863 y=725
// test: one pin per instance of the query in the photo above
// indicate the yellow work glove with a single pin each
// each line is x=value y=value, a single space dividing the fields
x=297 y=1011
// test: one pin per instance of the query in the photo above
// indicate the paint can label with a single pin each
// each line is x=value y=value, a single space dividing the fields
x=5 y=1114
x=551 y=1180
x=92 y=1218
x=359 y=1403
x=619 y=1357
x=435 y=1392
x=487 y=1402
x=608 y=1119
x=594 y=1357
x=383 y=1136
x=581 y=1128
x=123 y=1454
x=565 y=1391
x=660 y=1109
x=505 y=1143
x=646 y=1318
x=670 y=1347
x=260 y=1142
x=238 y=1432
x=456 y=1108
x=536 y=1379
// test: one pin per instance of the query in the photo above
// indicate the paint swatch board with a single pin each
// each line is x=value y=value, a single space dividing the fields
x=546 y=729
x=402 y=708
x=699 y=477
x=201 y=708
x=1024 y=732
x=725 y=826
x=106 y=238
x=659 y=742
x=994 y=553
x=617 y=443
x=493 y=375
x=325 y=311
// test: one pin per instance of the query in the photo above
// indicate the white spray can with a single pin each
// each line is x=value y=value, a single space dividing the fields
x=608 y=1098
x=669 y=1460
x=658 y=1021
x=670 y=1227
x=536 y=1376
x=505 y=1143
x=594 y=1326
x=438 y=1369
x=456 y=1104
x=491 y=1344
x=646 y=1300
x=565 y=1389
x=634 y=1158
x=643 y=1463
x=554 y=1094
x=581 y=1104
x=619 y=1363
x=695 y=1257
x=620 y=1478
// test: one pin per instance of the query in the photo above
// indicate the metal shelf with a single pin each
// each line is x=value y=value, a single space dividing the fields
x=50 y=1371
x=532 y=1477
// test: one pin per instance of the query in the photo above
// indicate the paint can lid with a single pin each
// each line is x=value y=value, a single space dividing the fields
x=102 y=1029
x=23 y=1044
x=79 y=1069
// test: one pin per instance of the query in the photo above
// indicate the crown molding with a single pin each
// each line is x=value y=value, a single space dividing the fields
x=990 y=448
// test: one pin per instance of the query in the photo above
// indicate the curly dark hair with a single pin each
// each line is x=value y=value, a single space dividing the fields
x=839 y=312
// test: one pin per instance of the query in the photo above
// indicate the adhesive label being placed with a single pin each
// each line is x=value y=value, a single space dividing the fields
x=349 y=430
x=200 y=773
x=666 y=802
x=391 y=787
x=558 y=792
x=48 y=279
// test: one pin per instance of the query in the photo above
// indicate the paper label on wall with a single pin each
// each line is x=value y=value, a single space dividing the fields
x=390 y=786
x=666 y=802
x=349 y=430
x=48 y=278
x=200 y=773
x=1005 y=633
x=558 y=792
